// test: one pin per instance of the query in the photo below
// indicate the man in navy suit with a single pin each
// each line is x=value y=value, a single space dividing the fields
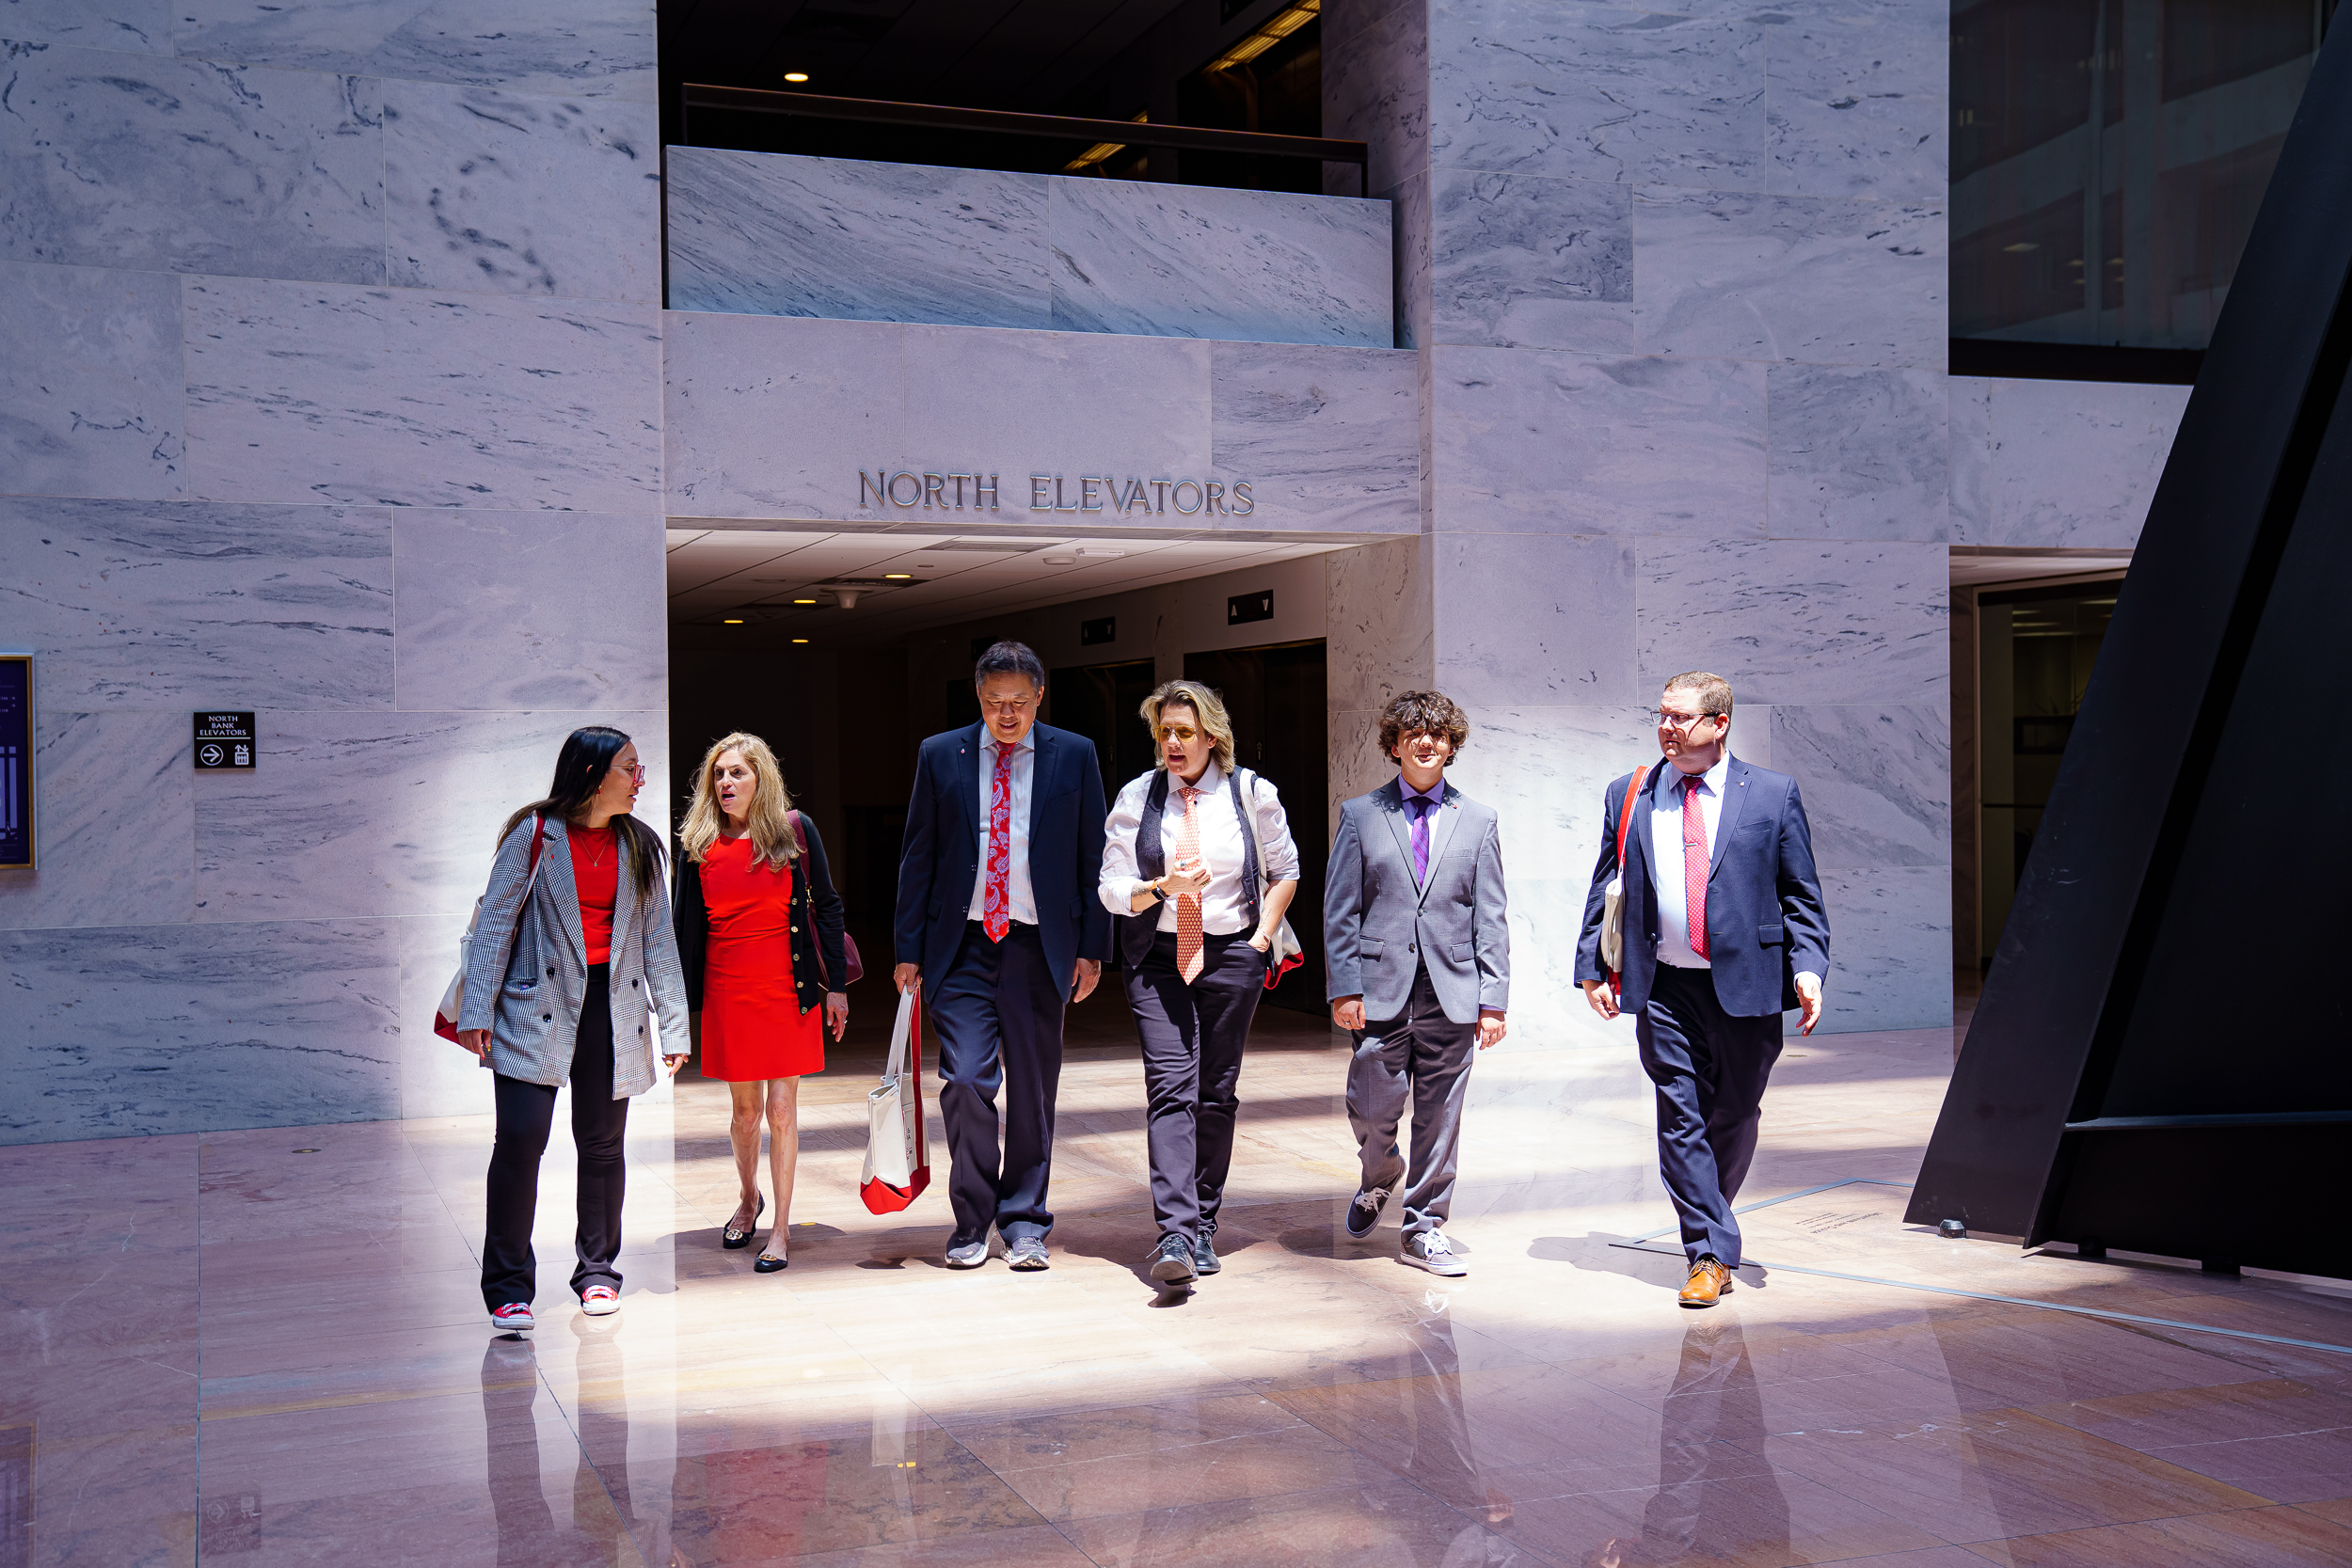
x=998 y=921
x=1723 y=931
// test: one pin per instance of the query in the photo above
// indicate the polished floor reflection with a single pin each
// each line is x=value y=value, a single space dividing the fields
x=265 y=1348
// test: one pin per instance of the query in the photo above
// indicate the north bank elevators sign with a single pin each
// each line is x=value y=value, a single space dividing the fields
x=1127 y=496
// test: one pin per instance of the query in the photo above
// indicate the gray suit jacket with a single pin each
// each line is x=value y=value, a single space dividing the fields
x=527 y=968
x=1380 y=925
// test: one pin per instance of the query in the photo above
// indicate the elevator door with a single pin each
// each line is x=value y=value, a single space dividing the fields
x=1275 y=696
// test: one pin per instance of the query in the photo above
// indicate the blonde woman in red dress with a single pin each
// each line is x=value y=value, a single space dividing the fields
x=760 y=931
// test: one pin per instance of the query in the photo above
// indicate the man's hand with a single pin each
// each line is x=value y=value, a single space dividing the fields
x=1604 y=1001
x=837 y=1013
x=1490 y=1028
x=475 y=1041
x=907 y=977
x=1348 y=1013
x=1190 y=876
x=1089 y=976
x=1809 y=993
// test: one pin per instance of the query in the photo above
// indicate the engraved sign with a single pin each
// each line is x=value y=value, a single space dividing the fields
x=1127 y=496
x=224 y=742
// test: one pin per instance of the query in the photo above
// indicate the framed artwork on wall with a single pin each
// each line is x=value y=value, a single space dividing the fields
x=16 y=761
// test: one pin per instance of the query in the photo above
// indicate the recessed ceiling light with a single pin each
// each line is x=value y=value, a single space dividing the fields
x=800 y=640
x=803 y=601
x=796 y=75
x=898 y=576
x=733 y=621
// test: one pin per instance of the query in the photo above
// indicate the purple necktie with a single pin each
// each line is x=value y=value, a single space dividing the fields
x=1420 y=839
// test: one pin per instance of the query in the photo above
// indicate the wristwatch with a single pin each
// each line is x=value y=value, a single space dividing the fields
x=1158 y=896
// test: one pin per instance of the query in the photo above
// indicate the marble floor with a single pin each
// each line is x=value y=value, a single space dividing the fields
x=265 y=1348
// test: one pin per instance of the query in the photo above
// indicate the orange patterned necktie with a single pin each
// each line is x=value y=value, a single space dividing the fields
x=1188 y=904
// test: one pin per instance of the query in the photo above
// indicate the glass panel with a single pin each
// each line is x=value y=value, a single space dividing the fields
x=2129 y=138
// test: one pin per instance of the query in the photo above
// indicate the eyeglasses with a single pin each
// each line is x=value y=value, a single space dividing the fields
x=1184 y=734
x=1012 y=707
x=636 y=770
x=1665 y=716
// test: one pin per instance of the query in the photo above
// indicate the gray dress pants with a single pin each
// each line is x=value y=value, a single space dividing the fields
x=1425 y=1056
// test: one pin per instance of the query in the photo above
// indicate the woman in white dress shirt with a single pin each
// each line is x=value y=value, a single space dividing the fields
x=1199 y=864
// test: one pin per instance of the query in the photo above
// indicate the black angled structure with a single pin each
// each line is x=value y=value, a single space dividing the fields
x=2162 y=1057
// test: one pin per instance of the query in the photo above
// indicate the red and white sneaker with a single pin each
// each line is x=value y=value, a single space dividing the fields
x=513 y=1318
x=600 y=1301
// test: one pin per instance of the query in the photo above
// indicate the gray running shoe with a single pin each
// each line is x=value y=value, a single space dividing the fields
x=1027 y=1253
x=1429 y=1249
x=1364 y=1211
x=966 y=1255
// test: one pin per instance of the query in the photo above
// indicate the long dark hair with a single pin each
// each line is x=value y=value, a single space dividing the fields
x=580 y=768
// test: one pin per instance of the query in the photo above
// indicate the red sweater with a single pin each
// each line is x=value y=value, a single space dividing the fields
x=596 y=879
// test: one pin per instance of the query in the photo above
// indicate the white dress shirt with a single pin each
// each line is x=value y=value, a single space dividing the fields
x=1225 y=908
x=1665 y=857
x=1021 y=903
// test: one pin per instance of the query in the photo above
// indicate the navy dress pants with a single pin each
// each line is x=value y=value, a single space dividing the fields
x=1193 y=1037
x=997 y=1018
x=1709 y=1068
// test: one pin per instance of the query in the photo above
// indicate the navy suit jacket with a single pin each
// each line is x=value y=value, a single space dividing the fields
x=1764 y=918
x=941 y=852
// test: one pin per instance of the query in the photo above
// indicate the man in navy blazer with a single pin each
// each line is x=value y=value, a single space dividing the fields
x=1724 y=930
x=998 y=921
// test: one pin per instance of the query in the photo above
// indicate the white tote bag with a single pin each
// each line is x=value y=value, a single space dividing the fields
x=898 y=1158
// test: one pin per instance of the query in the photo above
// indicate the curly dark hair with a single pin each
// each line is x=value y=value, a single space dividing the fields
x=1423 y=713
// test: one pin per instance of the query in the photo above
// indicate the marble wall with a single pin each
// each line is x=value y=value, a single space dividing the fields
x=1676 y=279
x=1325 y=436
x=333 y=393
x=785 y=235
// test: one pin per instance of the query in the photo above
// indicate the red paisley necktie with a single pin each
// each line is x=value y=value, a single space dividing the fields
x=996 y=903
x=1189 y=961
x=1694 y=863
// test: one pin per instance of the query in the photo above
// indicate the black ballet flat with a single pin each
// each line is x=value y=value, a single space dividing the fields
x=768 y=1262
x=733 y=1238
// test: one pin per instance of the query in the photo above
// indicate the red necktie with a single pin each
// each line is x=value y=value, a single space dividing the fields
x=1188 y=957
x=1694 y=863
x=996 y=903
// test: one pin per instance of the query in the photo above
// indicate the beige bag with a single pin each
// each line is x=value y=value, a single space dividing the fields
x=1612 y=900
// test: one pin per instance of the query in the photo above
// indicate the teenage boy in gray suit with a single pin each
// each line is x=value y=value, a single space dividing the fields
x=1420 y=967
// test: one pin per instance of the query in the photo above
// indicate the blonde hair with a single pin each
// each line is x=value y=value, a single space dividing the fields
x=769 y=818
x=1208 y=708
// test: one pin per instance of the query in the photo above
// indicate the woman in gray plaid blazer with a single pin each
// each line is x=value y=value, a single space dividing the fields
x=571 y=967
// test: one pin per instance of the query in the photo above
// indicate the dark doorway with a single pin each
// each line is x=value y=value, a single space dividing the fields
x=1275 y=696
x=2038 y=645
x=1102 y=702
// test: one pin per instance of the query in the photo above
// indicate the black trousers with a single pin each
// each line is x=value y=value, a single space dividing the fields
x=1192 y=1038
x=526 y=1113
x=1710 y=1067
x=997 y=1018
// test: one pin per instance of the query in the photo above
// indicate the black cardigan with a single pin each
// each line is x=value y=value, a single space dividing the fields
x=817 y=917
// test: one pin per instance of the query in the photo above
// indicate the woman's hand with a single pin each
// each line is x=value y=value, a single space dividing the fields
x=1262 y=941
x=671 y=1061
x=837 y=1013
x=475 y=1041
x=1189 y=877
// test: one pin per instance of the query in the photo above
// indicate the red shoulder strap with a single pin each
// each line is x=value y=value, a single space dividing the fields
x=538 y=831
x=800 y=839
x=1625 y=812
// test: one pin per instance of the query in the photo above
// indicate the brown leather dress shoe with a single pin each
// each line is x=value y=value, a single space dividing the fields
x=1710 y=1283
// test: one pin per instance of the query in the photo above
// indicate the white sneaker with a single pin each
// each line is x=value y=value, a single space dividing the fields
x=1429 y=1249
x=600 y=1301
x=513 y=1318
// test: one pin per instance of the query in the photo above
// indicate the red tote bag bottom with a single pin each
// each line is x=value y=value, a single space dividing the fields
x=882 y=1199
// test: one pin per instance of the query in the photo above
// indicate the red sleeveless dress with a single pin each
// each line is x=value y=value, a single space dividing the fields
x=752 y=1027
